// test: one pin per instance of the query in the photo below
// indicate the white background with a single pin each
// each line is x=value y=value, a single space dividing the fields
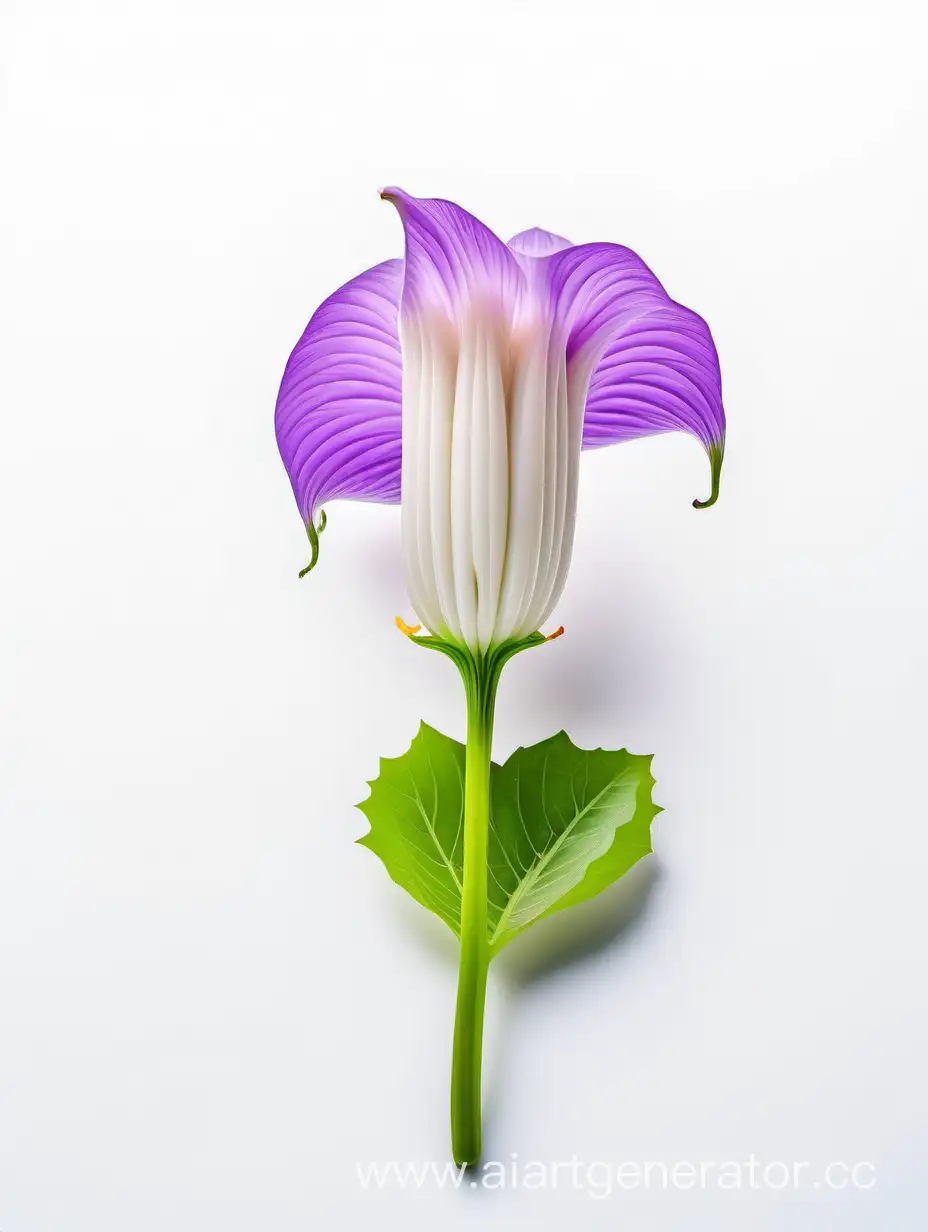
x=213 y=1003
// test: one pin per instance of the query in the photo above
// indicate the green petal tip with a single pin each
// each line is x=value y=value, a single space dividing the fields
x=314 y=532
x=716 y=453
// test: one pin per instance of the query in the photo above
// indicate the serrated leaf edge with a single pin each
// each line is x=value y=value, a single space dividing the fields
x=498 y=938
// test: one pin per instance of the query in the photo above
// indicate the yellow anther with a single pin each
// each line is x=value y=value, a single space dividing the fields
x=409 y=630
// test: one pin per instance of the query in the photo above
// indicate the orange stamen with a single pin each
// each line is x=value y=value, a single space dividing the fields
x=558 y=632
x=409 y=630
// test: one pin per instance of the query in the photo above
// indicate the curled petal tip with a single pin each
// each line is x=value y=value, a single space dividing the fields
x=409 y=630
x=313 y=533
x=716 y=454
x=401 y=201
x=558 y=632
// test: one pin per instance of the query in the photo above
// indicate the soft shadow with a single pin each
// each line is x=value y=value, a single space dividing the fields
x=581 y=932
x=423 y=928
x=564 y=939
x=609 y=671
x=589 y=932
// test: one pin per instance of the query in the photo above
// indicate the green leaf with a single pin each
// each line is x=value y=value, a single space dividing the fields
x=416 y=811
x=565 y=824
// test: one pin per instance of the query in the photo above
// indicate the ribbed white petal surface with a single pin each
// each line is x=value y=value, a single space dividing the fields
x=491 y=452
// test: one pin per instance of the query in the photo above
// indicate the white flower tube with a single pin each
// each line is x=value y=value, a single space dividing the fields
x=492 y=430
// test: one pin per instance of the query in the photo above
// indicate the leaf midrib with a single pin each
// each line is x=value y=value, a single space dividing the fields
x=532 y=876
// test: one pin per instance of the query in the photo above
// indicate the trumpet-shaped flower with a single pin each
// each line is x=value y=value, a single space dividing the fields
x=466 y=379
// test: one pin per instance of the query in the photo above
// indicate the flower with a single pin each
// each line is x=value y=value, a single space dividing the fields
x=466 y=379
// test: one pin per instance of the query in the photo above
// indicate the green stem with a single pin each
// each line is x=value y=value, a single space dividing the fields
x=481 y=676
x=480 y=673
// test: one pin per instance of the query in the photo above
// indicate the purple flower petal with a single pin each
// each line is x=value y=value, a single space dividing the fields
x=338 y=416
x=451 y=257
x=650 y=363
x=655 y=365
x=538 y=243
